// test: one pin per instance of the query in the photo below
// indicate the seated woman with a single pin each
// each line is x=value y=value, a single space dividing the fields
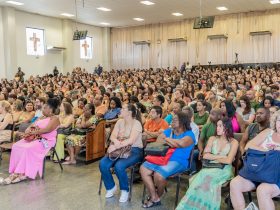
x=127 y=131
x=27 y=156
x=268 y=139
x=74 y=141
x=78 y=110
x=181 y=137
x=204 y=191
x=201 y=117
x=27 y=114
x=17 y=110
x=229 y=111
x=245 y=111
x=6 y=121
x=66 y=119
x=114 y=109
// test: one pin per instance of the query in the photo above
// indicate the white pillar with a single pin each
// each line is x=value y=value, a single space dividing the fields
x=67 y=37
x=106 y=57
x=9 y=39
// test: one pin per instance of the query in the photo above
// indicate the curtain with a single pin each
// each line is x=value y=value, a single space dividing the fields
x=217 y=51
x=261 y=48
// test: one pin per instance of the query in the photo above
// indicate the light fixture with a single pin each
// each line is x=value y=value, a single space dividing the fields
x=138 y=19
x=15 y=3
x=147 y=3
x=104 y=9
x=105 y=24
x=177 y=14
x=222 y=8
x=67 y=15
x=274 y=1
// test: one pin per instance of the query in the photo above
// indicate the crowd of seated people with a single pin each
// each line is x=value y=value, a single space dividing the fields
x=203 y=107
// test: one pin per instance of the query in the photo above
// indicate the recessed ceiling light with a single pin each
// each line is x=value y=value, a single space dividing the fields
x=275 y=2
x=147 y=3
x=222 y=8
x=104 y=9
x=177 y=14
x=15 y=3
x=67 y=14
x=105 y=24
x=138 y=19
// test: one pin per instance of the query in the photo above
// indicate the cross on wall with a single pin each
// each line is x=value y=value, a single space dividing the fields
x=35 y=41
x=85 y=46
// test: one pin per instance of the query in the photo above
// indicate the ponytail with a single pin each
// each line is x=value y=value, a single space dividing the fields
x=136 y=113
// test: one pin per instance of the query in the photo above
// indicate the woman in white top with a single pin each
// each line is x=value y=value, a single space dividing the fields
x=245 y=110
x=127 y=131
x=268 y=139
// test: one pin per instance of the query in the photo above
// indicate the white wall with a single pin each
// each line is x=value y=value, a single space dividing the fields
x=2 y=59
x=58 y=32
x=53 y=37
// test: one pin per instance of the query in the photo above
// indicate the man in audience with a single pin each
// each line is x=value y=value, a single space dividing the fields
x=39 y=103
x=208 y=129
x=100 y=109
x=177 y=107
x=251 y=95
x=154 y=126
x=261 y=123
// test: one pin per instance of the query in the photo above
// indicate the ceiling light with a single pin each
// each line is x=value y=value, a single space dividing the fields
x=105 y=24
x=177 y=14
x=67 y=14
x=15 y=3
x=147 y=3
x=275 y=2
x=222 y=8
x=104 y=9
x=138 y=19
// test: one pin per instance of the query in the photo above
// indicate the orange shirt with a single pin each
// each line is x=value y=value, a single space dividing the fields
x=102 y=109
x=153 y=126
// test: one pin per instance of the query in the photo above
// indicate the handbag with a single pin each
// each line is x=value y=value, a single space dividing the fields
x=32 y=137
x=262 y=167
x=156 y=149
x=123 y=152
x=209 y=164
x=160 y=160
x=65 y=131
x=81 y=131
x=159 y=155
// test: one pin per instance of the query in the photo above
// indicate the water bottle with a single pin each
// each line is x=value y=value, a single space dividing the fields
x=45 y=143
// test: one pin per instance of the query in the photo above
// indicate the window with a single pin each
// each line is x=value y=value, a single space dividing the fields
x=86 y=48
x=35 y=42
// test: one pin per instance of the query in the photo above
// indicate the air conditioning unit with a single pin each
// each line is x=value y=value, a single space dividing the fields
x=217 y=36
x=257 y=33
x=142 y=42
x=52 y=48
x=180 y=39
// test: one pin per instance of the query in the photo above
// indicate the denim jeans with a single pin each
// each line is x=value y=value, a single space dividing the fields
x=120 y=166
x=195 y=160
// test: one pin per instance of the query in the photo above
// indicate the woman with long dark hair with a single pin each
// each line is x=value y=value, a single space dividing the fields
x=127 y=131
x=205 y=186
x=245 y=110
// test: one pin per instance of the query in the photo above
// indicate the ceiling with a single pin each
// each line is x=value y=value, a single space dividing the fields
x=123 y=11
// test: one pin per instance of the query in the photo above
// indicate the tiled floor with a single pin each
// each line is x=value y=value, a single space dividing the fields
x=74 y=189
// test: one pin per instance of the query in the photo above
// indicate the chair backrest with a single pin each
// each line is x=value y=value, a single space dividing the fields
x=238 y=136
x=190 y=158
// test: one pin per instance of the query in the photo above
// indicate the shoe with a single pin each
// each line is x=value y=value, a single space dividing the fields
x=124 y=196
x=110 y=193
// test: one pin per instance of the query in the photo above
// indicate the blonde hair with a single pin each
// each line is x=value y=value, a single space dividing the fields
x=6 y=105
x=273 y=120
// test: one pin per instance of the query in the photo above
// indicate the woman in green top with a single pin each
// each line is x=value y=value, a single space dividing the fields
x=204 y=191
x=201 y=117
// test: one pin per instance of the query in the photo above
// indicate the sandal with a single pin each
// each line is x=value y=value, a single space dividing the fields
x=151 y=204
x=19 y=179
x=69 y=163
x=9 y=179
x=67 y=158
